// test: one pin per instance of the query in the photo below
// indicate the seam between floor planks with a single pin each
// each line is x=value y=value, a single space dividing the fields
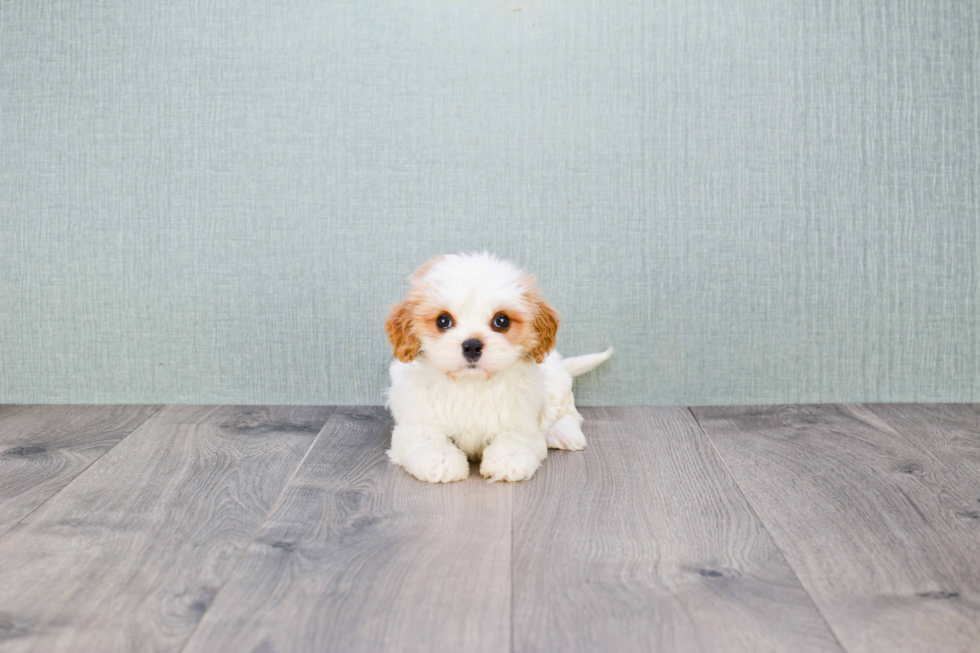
x=169 y=586
x=859 y=482
x=258 y=529
x=766 y=528
x=939 y=458
x=954 y=464
x=643 y=542
x=73 y=479
x=344 y=562
x=82 y=471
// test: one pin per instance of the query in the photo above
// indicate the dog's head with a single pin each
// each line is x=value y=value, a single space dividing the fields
x=471 y=314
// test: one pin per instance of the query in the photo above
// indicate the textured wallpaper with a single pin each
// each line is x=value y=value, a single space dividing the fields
x=753 y=201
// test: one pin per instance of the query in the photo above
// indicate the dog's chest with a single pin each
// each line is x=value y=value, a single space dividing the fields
x=472 y=414
x=482 y=406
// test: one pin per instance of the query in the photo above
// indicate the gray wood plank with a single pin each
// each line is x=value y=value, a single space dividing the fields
x=130 y=555
x=42 y=448
x=643 y=543
x=950 y=433
x=877 y=530
x=360 y=556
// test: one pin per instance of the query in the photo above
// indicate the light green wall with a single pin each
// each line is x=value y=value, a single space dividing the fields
x=753 y=201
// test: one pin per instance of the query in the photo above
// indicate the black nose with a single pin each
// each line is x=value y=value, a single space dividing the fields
x=472 y=349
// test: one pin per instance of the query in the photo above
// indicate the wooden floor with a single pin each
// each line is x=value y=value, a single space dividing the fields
x=219 y=528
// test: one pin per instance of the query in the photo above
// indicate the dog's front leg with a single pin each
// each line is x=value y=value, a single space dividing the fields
x=513 y=456
x=427 y=454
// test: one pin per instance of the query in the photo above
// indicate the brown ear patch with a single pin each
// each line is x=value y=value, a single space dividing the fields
x=398 y=327
x=545 y=326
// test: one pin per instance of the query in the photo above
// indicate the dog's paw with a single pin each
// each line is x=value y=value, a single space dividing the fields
x=566 y=434
x=438 y=465
x=502 y=465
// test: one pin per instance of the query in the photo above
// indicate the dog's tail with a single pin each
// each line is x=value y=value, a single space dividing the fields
x=579 y=365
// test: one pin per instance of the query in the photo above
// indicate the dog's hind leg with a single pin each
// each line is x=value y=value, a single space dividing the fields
x=566 y=434
x=560 y=421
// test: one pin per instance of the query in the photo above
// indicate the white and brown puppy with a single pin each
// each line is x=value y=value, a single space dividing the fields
x=475 y=376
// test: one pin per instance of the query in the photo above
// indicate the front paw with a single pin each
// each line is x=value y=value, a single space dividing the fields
x=508 y=464
x=438 y=465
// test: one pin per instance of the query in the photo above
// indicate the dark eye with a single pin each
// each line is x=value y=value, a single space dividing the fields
x=444 y=321
x=501 y=321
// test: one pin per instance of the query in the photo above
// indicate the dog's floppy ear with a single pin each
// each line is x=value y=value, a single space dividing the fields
x=398 y=326
x=545 y=324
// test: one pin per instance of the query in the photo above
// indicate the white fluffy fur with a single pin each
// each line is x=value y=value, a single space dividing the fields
x=506 y=410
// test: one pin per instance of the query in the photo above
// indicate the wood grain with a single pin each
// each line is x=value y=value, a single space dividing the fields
x=644 y=543
x=130 y=555
x=42 y=448
x=879 y=532
x=359 y=556
x=950 y=433
x=207 y=529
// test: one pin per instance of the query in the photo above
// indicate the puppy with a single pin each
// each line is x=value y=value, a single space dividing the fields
x=475 y=378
